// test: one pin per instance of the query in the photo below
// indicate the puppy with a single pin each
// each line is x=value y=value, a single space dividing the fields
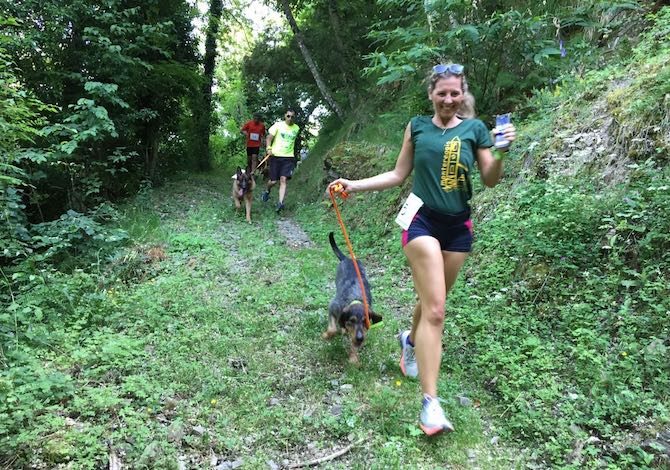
x=243 y=187
x=346 y=311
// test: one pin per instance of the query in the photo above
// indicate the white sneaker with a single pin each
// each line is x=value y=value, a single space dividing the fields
x=432 y=419
x=408 y=364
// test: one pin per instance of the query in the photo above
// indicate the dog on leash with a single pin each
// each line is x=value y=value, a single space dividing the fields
x=243 y=187
x=346 y=311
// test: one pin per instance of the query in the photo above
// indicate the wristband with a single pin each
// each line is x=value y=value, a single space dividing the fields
x=498 y=154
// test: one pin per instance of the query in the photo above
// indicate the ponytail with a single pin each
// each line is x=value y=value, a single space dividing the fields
x=467 y=108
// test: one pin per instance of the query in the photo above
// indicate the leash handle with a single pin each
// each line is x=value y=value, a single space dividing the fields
x=261 y=162
x=339 y=189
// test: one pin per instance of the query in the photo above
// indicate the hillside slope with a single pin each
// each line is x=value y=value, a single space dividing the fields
x=562 y=314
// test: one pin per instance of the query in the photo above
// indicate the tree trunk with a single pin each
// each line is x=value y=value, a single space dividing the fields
x=659 y=4
x=151 y=156
x=342 y=49
x=215 y=10
x=335 y=24
x=310 y=62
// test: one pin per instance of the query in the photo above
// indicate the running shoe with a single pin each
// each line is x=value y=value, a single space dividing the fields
x=280 y=207
x=408 y=364
x=432 y=419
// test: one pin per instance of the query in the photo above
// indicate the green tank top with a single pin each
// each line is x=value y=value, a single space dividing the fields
x=284 y=138
x=444 y=161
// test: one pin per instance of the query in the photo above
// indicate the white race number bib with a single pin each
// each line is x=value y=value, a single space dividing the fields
x=408 y=211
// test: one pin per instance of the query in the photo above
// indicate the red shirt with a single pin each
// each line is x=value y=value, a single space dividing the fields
x=255 y=132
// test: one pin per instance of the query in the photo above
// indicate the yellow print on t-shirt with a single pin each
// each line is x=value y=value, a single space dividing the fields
x=451 y=178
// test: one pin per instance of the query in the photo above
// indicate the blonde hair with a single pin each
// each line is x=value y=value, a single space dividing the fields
x=467 y=108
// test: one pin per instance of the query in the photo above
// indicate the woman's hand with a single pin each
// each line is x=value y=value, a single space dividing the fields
x=508 y=131
x=341 y=185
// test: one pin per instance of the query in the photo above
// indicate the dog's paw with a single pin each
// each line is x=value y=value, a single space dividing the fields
x=353 y=359
x=328 y=334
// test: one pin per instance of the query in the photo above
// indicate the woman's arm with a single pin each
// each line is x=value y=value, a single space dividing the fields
x=389 y=179
x=490 y=167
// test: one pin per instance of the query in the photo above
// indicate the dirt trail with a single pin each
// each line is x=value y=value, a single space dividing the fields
x=294 y=234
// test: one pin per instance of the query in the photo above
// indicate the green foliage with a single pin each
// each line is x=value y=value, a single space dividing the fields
x=161 y=367
x=119 y=76
x=276 y=76
x=73 y=235
x=19 y=122
x=14 y=235
x=558 y=328
x=227 y=144
x=561 y=315
x=648 y=110
x=581 y=285
x=508 y=51
x=19 y=111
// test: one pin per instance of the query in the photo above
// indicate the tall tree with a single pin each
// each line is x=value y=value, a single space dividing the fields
x=215 y=10
x=345 y=72
x=309 y=61
x=117 y=76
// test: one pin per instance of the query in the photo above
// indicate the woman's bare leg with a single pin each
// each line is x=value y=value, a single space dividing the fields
x=416 y=317
x=434 y=273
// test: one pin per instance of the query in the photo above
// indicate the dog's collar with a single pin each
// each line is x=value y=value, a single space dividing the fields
x=354 y=302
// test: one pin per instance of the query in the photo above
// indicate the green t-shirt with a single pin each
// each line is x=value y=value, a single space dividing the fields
x=444 y=161
x=283 y=142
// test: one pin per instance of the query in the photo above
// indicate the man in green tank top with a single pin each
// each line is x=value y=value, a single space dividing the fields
x=280 y=146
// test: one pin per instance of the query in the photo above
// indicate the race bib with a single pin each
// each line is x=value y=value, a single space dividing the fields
x=254 y=136
x=408 y=211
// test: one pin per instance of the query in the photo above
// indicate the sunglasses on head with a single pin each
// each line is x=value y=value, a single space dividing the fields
x=454 y=69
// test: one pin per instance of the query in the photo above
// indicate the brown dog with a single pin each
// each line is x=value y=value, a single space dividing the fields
x=346 y=311
x=243 y=187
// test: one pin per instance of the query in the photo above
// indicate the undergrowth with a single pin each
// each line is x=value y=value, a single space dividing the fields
x=561 y=316
x=198 y=344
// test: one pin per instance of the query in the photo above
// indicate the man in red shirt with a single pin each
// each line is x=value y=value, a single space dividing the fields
x=254 y=131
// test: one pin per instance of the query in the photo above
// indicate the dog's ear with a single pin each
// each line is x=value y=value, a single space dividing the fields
x=239 y=170
x=375 y=318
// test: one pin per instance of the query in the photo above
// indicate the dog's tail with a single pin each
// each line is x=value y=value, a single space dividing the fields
x=336 y=249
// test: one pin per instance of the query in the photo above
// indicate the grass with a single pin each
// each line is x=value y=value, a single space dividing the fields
x=214 y=354
x=254 y=349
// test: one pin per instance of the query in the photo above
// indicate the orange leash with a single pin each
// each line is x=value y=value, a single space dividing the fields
x=262 y=161
x=339 y=190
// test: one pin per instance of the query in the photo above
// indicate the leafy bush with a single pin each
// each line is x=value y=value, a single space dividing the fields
x=74 y=237
x=19 y=124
